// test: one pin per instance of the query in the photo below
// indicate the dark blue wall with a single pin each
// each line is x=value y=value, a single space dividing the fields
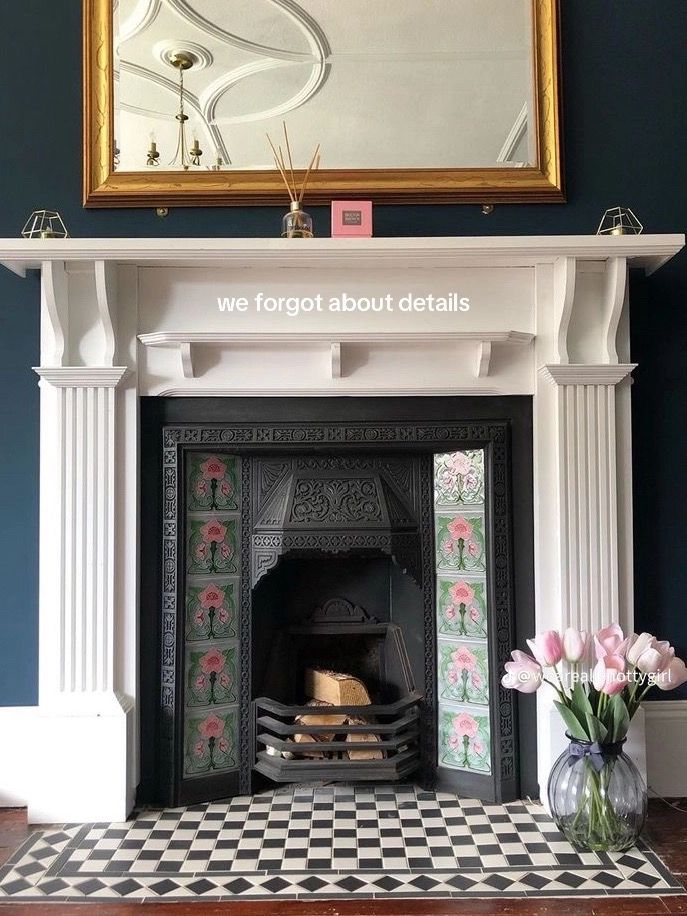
x=625 y=134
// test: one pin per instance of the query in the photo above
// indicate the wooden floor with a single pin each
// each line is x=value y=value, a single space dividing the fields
x=667 y=832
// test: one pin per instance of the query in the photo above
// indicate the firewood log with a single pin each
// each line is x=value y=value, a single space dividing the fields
x=337 y=689
x=361 y=738
x=306 y=745
x=322 y=718
x=306 y=719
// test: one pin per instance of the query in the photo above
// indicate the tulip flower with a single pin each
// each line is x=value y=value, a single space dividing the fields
x=574 y=644
x=637 y=645
x=547 y=648
x=656 y=657
x=611 y=641
x=673 y=675
x=523 y=673
x=609 y=675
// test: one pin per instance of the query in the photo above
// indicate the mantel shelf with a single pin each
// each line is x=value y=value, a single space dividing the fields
x=186 y=343
x=648 y=252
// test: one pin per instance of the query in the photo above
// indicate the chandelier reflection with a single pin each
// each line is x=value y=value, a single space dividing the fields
x=185 y=155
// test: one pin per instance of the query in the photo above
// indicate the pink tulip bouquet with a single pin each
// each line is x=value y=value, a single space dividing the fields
x=596 y=794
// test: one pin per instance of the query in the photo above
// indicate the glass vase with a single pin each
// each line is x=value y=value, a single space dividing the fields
x=296 y=224
x=597 y=797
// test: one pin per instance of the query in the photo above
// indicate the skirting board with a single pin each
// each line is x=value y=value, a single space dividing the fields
x=16 y=771
x=666 y=747
x=666 y=739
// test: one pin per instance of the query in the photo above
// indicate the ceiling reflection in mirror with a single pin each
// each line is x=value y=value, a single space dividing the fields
x=380 y=84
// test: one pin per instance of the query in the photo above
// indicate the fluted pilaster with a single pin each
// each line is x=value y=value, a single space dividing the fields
x=77 y=535
x=587 y=482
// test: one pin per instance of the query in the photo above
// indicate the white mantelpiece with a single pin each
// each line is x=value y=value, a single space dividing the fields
x=123 y=318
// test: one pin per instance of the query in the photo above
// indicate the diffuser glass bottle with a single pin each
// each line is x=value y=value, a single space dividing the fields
x=296 y=224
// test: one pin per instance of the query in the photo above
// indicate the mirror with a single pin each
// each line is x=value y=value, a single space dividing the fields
x=410 y=100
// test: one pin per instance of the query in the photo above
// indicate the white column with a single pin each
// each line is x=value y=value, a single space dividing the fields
x=587 y=476
x=578 y=515
x=582 y=465
x=86 y=724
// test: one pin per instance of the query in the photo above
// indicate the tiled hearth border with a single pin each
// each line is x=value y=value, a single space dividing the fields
x=325 y=843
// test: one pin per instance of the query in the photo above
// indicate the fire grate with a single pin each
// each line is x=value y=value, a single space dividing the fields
x=391 y=721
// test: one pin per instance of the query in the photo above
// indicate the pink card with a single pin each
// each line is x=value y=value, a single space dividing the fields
x=351 y=218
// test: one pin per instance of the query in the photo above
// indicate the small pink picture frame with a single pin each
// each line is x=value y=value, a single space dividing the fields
x=351 y=218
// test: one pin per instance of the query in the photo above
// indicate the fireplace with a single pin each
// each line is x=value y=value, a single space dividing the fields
x=326 y=544
x=132 y=343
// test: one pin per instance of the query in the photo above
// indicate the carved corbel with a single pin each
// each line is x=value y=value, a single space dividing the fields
x=106 y=297
x=614 y=299
x=55 y=298
x=335 y=357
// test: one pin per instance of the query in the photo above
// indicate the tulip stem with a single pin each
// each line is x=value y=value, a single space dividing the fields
x=601 y=704
x=560 y=683
x=561 y=694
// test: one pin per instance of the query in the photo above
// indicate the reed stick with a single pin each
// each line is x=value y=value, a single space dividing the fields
x=288 y=150
x=286 y=169
x=316 y=156
x=279 y=166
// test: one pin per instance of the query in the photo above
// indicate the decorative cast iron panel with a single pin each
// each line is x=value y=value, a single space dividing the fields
x=336 y=500
x=336 y=504
x=326 y=444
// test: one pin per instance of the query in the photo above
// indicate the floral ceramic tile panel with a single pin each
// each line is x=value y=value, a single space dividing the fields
x=463 y=672
x=460 y=542
x=211 y=741
x=459 y=478
x=212 y=545
x=211 y=609
x=461 y=607
x=212 y=482
x=464 y=738
x=211 y=674
x=212 y=587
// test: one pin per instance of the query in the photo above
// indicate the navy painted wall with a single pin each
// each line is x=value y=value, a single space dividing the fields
x=625 y=131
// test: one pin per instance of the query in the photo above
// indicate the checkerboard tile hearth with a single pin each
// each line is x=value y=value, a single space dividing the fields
x=325 y=842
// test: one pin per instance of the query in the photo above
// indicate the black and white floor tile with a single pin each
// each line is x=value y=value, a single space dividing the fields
x=325 y=842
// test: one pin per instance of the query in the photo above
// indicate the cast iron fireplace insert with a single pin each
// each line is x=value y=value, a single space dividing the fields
x=368 y=436
x=339 y=635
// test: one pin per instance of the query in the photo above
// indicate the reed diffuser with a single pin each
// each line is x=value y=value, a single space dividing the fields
x=296 y=224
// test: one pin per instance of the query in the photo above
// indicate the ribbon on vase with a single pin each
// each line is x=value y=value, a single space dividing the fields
x=597 y=753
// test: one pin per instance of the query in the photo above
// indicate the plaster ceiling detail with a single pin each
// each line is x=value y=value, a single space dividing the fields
x=379 y=83
x=309 y=26
x=139 y=19
x=165 y=51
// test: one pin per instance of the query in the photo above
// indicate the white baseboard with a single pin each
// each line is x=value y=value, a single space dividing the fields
x=666 y=747
x=17 y=724
x=44 y=767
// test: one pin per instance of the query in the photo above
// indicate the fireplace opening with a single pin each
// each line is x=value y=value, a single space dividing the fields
x=336 y=694
x=385 y=551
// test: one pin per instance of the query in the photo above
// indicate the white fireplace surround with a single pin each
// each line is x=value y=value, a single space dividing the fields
x=121 y=318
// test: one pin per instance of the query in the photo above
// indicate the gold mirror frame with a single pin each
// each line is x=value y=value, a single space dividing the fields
x=103 y=187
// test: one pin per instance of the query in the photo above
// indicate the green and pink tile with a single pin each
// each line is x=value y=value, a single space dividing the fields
x=461 y=606
x=211 y=741
x=459 y=478
x=211 y=609
x=465 y=738
x=460 y=542
x=211 y=674
x=463 y=672
x=212 y=545
x=212 y=482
